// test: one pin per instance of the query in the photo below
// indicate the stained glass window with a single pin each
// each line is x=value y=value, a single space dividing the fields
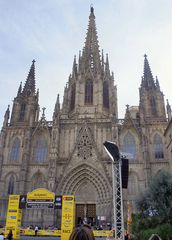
x=89 y=92
x=40 y=151
x=15 y=150
x=22 y=112
x=11 y=185
x=158 y=147
x=153 y=105
x=129 y=145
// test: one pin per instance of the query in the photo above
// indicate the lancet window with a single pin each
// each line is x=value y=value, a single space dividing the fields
x=158 y=147
x=15 y=150
x=129 y=145
x=153 y=105
x=11 y=185
x=22 y=112
x=40 y=151
x=89 y=92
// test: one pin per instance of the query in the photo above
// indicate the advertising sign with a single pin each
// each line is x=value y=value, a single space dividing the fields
x=40 y=198
x=14 y=214
x=68 y=210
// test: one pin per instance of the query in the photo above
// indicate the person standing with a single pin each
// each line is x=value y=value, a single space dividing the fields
x=1 y=236
x=36 y=230
x=10 y=235
x=82 y=233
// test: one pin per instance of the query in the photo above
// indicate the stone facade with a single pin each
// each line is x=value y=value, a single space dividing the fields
x=66 y=155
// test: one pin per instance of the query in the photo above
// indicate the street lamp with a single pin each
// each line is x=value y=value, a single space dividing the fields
x=113 y=151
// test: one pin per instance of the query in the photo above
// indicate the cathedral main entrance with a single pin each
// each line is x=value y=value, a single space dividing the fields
x=85 y=213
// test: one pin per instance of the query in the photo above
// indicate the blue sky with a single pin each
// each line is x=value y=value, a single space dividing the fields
x=53 y=31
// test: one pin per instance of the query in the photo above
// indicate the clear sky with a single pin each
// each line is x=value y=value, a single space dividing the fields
x=53 y=31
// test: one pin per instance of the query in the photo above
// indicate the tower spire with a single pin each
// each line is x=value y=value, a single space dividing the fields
x=91 y=53
x=168 y=107
x=148 y=81
x=56 y=108
x=6 y=117
x=29 y=87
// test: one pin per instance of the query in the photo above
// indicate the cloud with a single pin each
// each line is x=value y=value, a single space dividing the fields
x=54 y=31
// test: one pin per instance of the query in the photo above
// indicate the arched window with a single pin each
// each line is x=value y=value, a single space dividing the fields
x=22 y=112
x=11 y=185
x=106 y=94
x=15 y=150
x=158 y=147
x=153 y=105
x=40 y=151
x=89 y=92
x=72 y=101
x=129 y=145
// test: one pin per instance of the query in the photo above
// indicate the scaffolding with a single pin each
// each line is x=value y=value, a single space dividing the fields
x=113 y=152
x=117 y=200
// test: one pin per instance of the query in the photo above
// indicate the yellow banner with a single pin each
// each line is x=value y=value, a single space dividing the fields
x=103 y=233
x=41 y=194
x=68 y=214
x=48 y=232
x=13 y=219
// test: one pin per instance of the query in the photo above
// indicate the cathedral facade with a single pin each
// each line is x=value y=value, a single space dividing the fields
x=66 y=155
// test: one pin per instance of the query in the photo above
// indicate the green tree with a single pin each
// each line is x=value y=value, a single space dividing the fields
x=157 y=200
x=154 y=208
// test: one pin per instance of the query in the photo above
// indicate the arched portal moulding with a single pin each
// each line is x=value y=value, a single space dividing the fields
x=73 y=180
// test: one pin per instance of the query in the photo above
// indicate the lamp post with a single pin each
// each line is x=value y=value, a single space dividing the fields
x=113 y=151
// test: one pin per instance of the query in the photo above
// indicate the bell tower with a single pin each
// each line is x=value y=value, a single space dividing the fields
x=25 y=107
x=90 y=88
x=151 y=105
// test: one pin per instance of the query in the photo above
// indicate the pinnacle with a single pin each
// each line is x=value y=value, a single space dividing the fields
x=29 y=88
x=148 y=80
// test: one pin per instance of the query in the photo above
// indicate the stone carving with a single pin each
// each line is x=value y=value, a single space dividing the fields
x=84 y=145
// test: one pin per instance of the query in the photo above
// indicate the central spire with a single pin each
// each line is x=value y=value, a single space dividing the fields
x=91 y=53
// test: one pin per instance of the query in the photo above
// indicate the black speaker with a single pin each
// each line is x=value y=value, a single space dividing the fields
x=124 y=172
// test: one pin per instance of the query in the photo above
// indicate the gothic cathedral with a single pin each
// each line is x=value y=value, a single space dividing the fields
x=66 y=155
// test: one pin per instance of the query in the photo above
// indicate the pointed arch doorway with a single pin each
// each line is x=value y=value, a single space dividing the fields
x=85 y=198
x=92 y=192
